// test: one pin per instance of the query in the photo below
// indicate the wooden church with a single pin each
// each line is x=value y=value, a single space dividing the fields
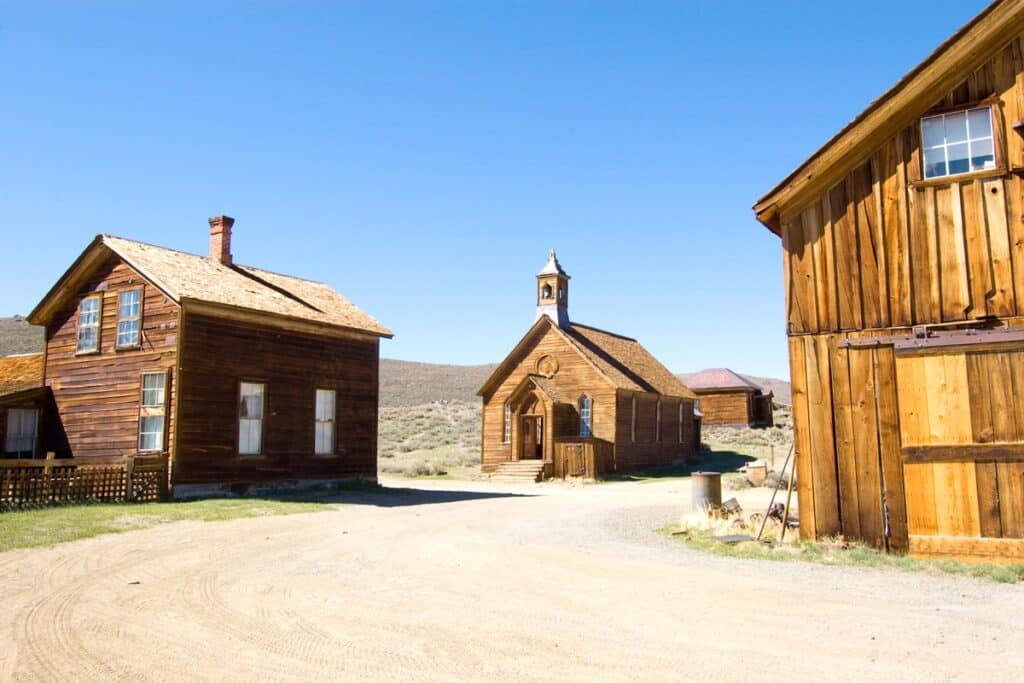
x=574 y=401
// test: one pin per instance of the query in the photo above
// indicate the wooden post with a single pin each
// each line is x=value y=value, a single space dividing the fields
x=47 y=483
x=129 y=473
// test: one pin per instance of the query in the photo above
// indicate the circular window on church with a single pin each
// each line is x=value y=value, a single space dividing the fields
x=547 y=366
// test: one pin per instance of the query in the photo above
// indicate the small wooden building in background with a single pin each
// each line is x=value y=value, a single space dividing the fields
x=240 y=377
x=728 y=399
x=903 y=254
x=573 y=400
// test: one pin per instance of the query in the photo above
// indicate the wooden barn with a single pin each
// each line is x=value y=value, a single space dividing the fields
x=241 y=377
x=728 y=399
x=903 y=253
x=571 y=400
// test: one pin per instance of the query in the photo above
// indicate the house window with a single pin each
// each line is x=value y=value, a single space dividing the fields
x=22 y=425
x=958 y=142
x=250 y=418
x=89 y=324
x=506 y=435
x=586 y=416
x=128 y=310
x=325 y=415
x=152 y=410
x=632 y=422
x=657 y=421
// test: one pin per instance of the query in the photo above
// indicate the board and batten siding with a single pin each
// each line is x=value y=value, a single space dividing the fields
x=217 y=354
x=726 y=407
x=647 y=449
x=877 y=253
x=97 y=395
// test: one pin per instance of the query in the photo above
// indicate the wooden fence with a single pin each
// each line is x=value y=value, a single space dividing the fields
x=582 y=457
x=38 y=483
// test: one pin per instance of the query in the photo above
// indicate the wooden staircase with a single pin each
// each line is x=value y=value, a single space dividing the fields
x=518 y=471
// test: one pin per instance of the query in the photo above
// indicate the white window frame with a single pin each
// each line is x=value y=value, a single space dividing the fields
x=632 y=422
x=324 y=432
x=135 y=338
x=95 y=325
x=657 y=421
x=14 y=441
x=152 y=407
x=969 y=141
x=506 y=435
x=247 y=422
x=586 y=416
x=680 y=422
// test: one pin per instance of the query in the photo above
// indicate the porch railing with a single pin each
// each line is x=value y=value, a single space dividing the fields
x=38 y=483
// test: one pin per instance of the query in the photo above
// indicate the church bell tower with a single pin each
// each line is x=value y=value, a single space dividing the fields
x=553 y=292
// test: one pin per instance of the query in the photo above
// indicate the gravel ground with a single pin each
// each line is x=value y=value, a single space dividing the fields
x=468 y=581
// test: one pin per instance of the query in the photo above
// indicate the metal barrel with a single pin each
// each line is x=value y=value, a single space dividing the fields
x=707 y=490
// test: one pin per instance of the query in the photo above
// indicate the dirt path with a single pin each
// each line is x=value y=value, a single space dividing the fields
x=455 y=584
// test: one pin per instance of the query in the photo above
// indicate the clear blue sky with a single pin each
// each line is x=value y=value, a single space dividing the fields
x=423 y=157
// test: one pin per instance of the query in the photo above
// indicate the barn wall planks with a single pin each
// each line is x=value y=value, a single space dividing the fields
x=217 y=354
x=726 y=407
x=97 y=395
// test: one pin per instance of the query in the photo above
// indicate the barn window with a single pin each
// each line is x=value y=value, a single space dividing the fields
x=250 y=418
x=326 y=400
x=657 y=421
x=22 y=425
x=586 y=416
x=506 y=434
x=128 y=312
x=89 y=324
x=632 y=421
x=152 y=411
x=958 y=142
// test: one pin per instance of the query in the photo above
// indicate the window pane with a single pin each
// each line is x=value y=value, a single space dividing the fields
x=325 y=438
x=982 y=155
x=249 y=436
x=932 y=133
x=129 y=304
x=128 y=333
x=153 y=389
x=956 y=127
x=958 y=159
x=151 y=433
x=934 y=163
x=325 y=404
x=251 y=405
x=86 y=338
x=979 y=122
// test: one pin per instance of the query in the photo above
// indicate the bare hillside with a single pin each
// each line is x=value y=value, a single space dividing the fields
x=405 y=383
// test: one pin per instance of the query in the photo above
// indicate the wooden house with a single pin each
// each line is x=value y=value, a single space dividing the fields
x=573 y=400
x=728 y=399
x=240 y=376
x=903 y=254
x=23 y=403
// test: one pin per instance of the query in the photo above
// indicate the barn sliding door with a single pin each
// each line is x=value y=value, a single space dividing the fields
x=962 y=428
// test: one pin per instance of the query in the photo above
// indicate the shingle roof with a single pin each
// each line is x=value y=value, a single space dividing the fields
x=719 y=378
x=185 y=276
x=21 y=372
x=553 y=267
x=626 y=362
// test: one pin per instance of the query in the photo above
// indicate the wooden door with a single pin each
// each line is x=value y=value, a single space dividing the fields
x=532 y=435
x=963 y=452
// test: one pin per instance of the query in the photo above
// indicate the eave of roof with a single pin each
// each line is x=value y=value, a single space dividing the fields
x=949 y=64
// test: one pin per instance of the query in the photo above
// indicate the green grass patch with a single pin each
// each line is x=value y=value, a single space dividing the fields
x=841 y=553
x=49 y=526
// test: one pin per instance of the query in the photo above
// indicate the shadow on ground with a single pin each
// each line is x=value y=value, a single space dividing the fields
x=367 y=493
x=722 y=461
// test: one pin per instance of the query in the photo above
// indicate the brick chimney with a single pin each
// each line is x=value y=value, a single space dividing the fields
x=220 y=239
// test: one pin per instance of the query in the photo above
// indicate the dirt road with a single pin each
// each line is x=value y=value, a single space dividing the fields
x=451 y=583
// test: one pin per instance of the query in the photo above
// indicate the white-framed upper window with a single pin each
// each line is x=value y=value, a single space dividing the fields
x=250 y=418
x=657 y=421
x=152 y=410
x=586 y=416
x=129 y=309
x=326 y=411
x=958 y=142
x=506 y=433
x=632 y=421
x=89 y=324
x=22 y=427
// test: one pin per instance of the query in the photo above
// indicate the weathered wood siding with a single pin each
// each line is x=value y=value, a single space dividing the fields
x=647 y=449
x=574 y=378
x=726 y=408
x=217 y=354
x=879 y=252
x=97 y=395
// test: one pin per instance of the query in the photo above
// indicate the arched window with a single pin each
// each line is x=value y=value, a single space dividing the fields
x=506 y=434
x=586 y=416
x=545 y=292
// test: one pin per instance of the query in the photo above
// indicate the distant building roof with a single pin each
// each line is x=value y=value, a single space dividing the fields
x=183 y=276
x=719 y=378
x=21 y=372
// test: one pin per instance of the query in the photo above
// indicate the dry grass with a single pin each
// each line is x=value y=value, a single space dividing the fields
x=435 y=439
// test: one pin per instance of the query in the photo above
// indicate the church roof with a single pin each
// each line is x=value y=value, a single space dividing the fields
x=553 y=267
